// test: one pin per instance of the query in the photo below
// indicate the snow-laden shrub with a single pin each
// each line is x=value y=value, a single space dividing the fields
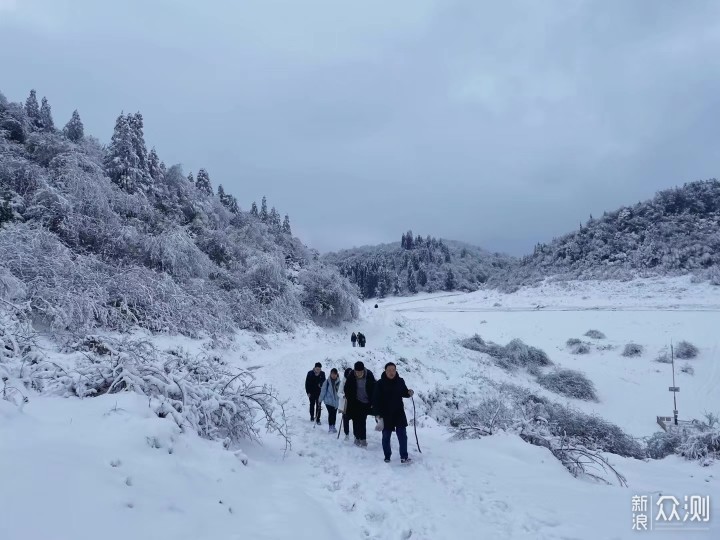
x=485 y=418
x=515 y=354
x=632 y=350
x=570 y=383
x=18 y=348
x=327 y=297
x=686 y=350
x=663 y=356
x=595 y=334
x=687 y=368
x=202 y=394
x=577 y=347
x=702 y=441
x=662 y=444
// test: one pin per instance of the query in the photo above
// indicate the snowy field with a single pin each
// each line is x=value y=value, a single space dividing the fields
x=107 y=467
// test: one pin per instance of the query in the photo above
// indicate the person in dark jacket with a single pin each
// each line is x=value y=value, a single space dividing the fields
x=345 y=415
x=359 y=390
x=353 y=338
x=361 y=339
x=388 y=406
x=313 y=384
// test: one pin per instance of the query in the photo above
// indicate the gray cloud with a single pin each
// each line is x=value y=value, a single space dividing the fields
x=498 y=124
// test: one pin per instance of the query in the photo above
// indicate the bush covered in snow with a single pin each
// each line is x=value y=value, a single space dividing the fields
x=632 y=350
x=578 y=347
x=595 y=334
x=685 y=350
x=687 y=368
x=663 y=356
x=515 y=354
x=110 y=237
x=575 y=438
x=699 y=441
x=570 y=383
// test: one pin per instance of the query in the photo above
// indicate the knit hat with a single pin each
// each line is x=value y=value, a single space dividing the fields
x=359 y=366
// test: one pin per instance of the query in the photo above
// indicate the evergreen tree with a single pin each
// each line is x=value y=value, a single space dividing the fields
x=46 y=119
x=135 y=121
x=74 y=129
x=411 y=282
x=154 y=166
x=409 y=240
x=32 y=109
x=222 y=196
x=233 y=205
x=286 y=225
x=403 y=242
x=254 y=209
x=121 y=162
x=450 y=280
x=396 y=285
x=263 y=210
x=422 y=277
x=191 y=179
x=419 y=240
x=274 y=219
x=202 y=183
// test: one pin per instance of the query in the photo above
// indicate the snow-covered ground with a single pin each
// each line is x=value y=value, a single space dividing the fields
x=107 y=467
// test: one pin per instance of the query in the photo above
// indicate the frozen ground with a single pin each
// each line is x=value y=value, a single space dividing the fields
x=106 y=467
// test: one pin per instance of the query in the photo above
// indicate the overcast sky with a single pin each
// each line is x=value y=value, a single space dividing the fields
x=497 y=123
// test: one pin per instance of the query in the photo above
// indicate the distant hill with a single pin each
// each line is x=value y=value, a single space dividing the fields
x=675 y=232
x=418 y=264
x=108 y=236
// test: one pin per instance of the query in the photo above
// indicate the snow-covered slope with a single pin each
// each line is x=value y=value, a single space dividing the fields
x=107 y=466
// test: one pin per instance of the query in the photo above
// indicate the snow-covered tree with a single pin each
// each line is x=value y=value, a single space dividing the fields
x=135 y=121
x=202 y=183
x=254 y=209
x=154 y=167
x=32 y=108
x=286 y=225
x=46 y=120
x=263 y=210
x=411 y=282
x=121 y=161
x=74 y=129
x=190 y=178
x=274 y=219
x=450 y=280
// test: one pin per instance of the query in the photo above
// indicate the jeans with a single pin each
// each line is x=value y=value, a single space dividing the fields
x=315 y=404
x=332 y=414
x=402 y=440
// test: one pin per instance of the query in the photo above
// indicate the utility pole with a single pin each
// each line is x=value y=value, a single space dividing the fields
x=674 y=389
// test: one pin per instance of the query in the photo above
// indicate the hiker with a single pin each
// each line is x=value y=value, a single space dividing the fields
x=313 y=383
x=353 y=338
x=359 y=393
x=343 y=405
x=389 y=409
x=361 y=339
x=329 y=396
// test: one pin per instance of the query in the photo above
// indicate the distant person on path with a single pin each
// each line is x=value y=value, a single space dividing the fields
x=353 y=339
x=388 y=406
x=359 y=390
x=343 y=408
x=361 y=339
x=313 y=383
x=329 y=396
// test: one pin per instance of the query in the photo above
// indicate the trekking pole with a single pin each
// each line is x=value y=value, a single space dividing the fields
x=415 y=425
x=342 y=426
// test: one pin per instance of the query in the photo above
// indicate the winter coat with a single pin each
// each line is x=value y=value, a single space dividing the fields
x=353 y=405
x=329 y=392
x=361 y=339
x=388 y=401
x=353 y=338
x=313 y=383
